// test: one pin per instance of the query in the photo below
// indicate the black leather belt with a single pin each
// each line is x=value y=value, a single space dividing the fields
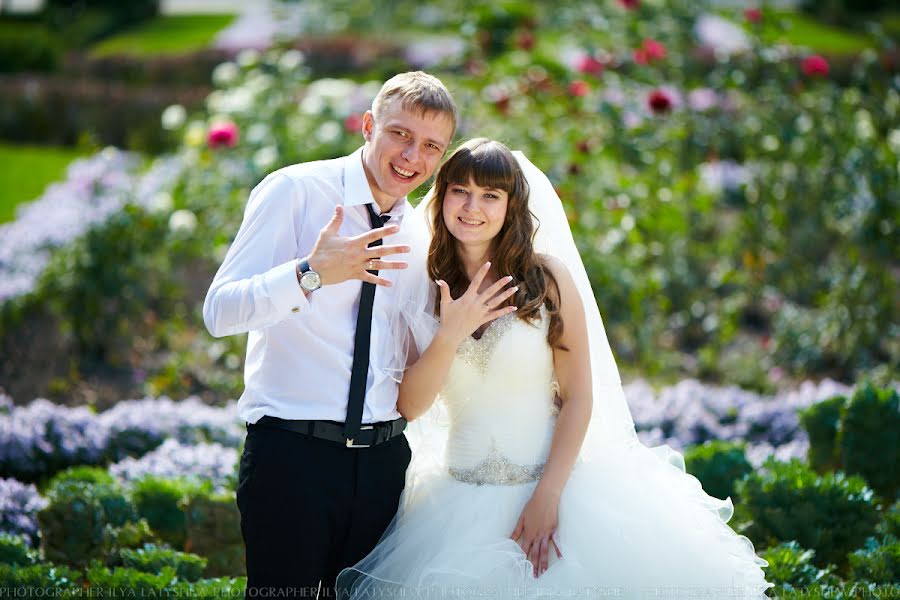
x=369 y=435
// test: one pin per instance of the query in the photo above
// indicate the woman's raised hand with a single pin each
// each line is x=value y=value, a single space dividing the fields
x=461 y=317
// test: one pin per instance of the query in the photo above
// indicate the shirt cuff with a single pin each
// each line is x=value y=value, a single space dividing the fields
x=284 y=289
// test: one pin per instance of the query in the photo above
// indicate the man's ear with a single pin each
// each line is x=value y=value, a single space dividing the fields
x=368 y=125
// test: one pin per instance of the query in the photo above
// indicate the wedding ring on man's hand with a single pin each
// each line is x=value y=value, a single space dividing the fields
x=370 y=266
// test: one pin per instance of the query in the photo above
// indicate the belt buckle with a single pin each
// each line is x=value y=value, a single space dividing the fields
x=350 y=443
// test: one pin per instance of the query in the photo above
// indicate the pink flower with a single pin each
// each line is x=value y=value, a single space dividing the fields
x=814 y=66
x=659 y=101
x=353 y=123
x=223 y=134
x=754 y=15
x=589 y=64
x=579 y=88
x=702 y=99
x=629 y=4
x=654 y=50
x=649 y=51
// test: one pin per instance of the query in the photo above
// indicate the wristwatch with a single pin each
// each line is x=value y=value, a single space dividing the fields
x=309 y=280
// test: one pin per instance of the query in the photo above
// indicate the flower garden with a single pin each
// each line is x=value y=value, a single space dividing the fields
x=735 y=200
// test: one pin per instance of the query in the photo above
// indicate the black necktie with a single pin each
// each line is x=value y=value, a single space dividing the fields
x=360 y=369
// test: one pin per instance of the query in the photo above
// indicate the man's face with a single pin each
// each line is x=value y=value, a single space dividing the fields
x=403 y=149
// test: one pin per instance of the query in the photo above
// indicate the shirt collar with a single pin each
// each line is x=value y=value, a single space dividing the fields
x=357 y=191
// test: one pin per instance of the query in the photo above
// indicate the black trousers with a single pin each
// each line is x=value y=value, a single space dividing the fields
x=311 y=507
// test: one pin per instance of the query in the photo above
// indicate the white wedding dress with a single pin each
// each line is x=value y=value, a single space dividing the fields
x=632 y=523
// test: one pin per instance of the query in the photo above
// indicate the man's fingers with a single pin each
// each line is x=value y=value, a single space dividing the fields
x=376 y=234
x=375 y=279
x=335 y=223
x=378 y=265
x=380 y=251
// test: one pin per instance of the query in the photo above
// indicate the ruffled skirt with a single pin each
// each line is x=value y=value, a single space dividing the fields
x=632 y=524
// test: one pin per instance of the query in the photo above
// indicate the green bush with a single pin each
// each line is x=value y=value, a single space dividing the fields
x=718 y=465
x=890 y=521
x=822 y=423
x=80 y=522
x=870 y=438
x=82 y=474
x=142 y=584
x=27 y=47
x=60 y=579
x=152 y=558
x=791 y=568
x=158 y=501
x=214 y=532
x=878 y=561
x=832 y=514
x=80 y=22
x=14 y=550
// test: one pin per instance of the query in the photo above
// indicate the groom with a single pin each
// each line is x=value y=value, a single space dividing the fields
x=325 y=458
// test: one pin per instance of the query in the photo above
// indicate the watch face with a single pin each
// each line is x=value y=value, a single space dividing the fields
x=310 y=281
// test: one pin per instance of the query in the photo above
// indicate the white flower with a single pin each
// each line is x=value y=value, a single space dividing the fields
x=312 y=104
x=328 y=132
x=225 y=74
x=894 y=140
x=183 y=221
x=265 y=158
x=770 y=143
x=721 y=34
x=257 y=133
x=160 y=202
x=248 y=57
x=290 y=60
x=173 y=117
x=804 y=123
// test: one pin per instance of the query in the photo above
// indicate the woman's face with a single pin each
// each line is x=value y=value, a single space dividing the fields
x=474 y=215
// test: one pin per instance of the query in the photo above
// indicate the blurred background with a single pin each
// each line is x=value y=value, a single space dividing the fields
x=730 y=170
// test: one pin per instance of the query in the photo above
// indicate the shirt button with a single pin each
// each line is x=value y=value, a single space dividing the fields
x=295 y=309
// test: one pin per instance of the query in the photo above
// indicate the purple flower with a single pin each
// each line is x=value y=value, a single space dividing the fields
x=19 y=505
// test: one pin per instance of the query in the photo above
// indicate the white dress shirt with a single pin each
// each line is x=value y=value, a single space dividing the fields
x=300 y=349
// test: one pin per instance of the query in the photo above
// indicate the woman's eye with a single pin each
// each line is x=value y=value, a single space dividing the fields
x=459 y=191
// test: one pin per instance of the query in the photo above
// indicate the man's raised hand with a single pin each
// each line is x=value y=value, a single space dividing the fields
x=336 y=258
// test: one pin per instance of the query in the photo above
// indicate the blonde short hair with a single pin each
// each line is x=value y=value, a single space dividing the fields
x=418 y=92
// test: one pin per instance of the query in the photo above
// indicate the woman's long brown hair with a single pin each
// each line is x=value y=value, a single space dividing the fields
x=491 y=165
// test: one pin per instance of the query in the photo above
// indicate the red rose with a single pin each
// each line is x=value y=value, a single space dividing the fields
x=815 y=66
x=659 y=102
x=654 y=50
x=525 y=41
x=590 y=65
x=629 y=4
x=579 y=88
x=223 y=134
x=640 y=56
x=754 y=15
x=353 y=123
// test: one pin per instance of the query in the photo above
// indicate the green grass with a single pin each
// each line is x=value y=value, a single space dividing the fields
x=173 y=34
x=803 y=30
x=26 y=170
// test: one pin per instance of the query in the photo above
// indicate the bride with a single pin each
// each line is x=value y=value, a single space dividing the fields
x=527 y=477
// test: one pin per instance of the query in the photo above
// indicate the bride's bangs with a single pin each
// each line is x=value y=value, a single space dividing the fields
x=487 y=164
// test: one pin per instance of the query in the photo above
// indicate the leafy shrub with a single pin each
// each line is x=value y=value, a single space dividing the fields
x=82 y=474
x=80 y=522
x=870 y=438
x=718 y=465
x=45 y=575
x=141 y=583
x=791 y=568
x=27 y=47
x=80 y=23
x=214 y=532
x=152 y=559
x=822 y=423
x=14 y=550
x=890 y=522
x=158 y=500
x=878 y=561
x=832 y=514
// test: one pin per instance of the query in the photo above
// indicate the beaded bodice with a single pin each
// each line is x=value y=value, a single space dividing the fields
x=500 y=399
